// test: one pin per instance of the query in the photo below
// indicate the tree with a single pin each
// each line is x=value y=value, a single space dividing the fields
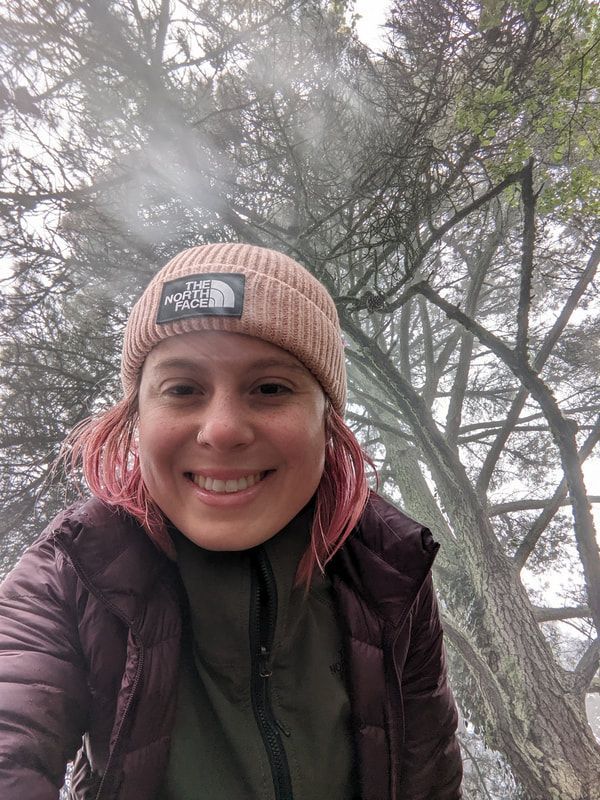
x=444 y=191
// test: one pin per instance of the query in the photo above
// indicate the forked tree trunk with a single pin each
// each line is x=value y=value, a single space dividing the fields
x=534 y=713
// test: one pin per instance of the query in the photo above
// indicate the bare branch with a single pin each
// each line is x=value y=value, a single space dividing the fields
x=483 y=675
x=29 y=200
x=588 y=666
x=481 y=778
x=557 y=614
x=532 y=505
x=550 y=340
x=526 y=261
x=529 y=542
x=430 y=380
x=440 y=232
x=405 y=313
x=459 y=387
x=563 y=431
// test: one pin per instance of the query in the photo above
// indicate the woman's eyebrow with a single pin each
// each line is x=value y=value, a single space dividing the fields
x=176 y=363
x=261 y=363
x=270 y=363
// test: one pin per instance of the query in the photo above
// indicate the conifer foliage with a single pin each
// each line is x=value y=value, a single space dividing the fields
x=446 y=191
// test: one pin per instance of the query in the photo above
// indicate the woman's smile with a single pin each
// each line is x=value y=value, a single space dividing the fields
x=228 y=485
x=227 y=494
x=231 y=436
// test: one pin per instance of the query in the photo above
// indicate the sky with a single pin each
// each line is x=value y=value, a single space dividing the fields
x=372 y=16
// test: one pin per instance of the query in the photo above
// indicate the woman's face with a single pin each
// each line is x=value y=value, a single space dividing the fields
x=231 y=436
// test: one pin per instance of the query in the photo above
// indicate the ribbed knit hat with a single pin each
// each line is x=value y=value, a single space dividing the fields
x=242 y=289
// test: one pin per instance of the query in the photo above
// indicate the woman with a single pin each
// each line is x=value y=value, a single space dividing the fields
x=233 y=614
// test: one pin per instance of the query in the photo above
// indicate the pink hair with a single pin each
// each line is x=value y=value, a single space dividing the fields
x=340 y=498
x=105 y=447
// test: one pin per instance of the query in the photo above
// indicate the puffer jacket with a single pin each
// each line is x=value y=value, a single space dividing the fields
x=90 y=628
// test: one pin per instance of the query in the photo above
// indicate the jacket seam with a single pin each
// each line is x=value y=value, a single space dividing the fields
x=61 y=534
x=365 y=642
x=87 y=581
x=426 y=562
x=398 y=538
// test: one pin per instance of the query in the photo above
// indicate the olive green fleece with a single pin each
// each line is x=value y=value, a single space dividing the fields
x=217 y=752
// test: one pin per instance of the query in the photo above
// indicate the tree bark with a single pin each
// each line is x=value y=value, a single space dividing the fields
x=537 y=719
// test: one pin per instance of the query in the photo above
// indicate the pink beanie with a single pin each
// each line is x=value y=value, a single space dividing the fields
x=242 y=289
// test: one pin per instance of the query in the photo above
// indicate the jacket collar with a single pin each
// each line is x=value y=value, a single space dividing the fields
x=119 y=564
x=386 y=559
x=218 y=588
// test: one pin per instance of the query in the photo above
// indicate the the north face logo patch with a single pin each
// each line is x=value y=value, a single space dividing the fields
x=215 y=294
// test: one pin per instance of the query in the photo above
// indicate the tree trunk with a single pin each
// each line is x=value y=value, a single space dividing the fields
x=533 y=711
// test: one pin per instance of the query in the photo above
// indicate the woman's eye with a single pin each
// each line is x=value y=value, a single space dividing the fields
x=270 y=389
x=180 y=389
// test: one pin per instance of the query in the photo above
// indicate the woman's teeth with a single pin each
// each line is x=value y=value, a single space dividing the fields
x=230 y=486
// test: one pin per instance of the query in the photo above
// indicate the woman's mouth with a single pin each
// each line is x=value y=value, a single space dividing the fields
x=229 y=486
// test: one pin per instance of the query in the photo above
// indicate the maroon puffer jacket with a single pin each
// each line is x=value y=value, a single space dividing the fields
x=89 y=643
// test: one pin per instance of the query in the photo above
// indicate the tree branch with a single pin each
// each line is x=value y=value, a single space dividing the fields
x=430 y=381
x=526 y=261
x=532 y=505
x=459 y=387
x=438 y=233
x=480 y=201
x=530 y=540
x=563 y=431
x=558 y=614
x=405 y=314
x=588 y=666
x=480 y=776
x=491 y=692
x=29 y=200
x=550 y=340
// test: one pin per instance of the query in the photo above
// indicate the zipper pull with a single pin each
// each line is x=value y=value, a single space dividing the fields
x=263 y=663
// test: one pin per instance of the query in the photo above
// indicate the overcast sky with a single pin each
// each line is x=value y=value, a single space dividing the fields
x=372 y=16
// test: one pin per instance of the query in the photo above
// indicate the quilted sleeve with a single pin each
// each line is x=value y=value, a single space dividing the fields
x=43 y=688
x=431 y=766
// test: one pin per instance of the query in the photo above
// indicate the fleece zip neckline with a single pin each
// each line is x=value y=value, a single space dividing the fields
x=264 y=673
x=263 y=618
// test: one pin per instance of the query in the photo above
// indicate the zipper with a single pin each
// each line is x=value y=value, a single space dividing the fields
x=263 y=616
x=88 y=583
x=112 y=756
x=396 y=732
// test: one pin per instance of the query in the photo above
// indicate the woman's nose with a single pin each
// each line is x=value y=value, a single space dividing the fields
x=225 y=424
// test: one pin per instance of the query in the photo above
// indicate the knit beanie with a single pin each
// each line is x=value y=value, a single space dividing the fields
x=245 y=289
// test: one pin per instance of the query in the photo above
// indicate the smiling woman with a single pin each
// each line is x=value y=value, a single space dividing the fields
x=231 y=437
x=232 y=614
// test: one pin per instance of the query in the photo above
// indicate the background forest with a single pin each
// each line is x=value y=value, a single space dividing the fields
x=446 y=190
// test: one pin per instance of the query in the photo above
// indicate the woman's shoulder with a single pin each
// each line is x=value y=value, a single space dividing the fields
x=385 y=561
x=91 y=542
x=394 y=536
x=93 y=528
